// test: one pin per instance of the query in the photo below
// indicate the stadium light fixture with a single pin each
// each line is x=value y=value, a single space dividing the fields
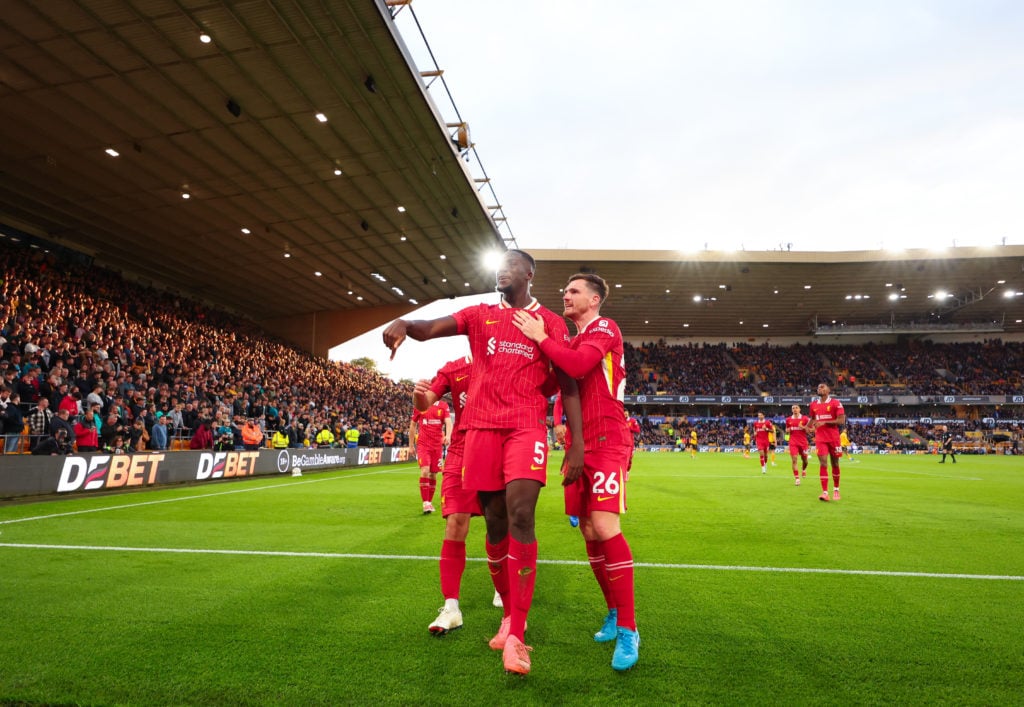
x=697 y=298
x=492 y=260
x=205 y=38
x=246 y=231
x=112 y=152
x=321 y=117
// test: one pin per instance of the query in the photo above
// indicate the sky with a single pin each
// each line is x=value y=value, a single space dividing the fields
x=728 y=124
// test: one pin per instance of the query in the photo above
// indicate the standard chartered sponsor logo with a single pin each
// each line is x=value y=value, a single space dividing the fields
x=491 y=345
x=515 y=348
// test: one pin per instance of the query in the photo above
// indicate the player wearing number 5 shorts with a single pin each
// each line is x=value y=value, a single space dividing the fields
x=598 y=496
x=505 y=419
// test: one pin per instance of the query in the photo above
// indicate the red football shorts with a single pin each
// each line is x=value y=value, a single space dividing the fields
x=826 y=448
x=797 y=448
x=430 y=457
x=495 y=457
x=454 y=498
x=602 y=486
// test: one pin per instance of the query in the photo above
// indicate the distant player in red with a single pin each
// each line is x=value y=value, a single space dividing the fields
x=457 y=504
x=796 y=428
x=827 y=416
x=634 y=427
x=597 y=496
x=634 y=431
x=761 y=429
x=505 y=418
x=429 y=431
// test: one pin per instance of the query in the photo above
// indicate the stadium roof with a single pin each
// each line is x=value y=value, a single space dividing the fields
x=232 y=122
x=775 y=294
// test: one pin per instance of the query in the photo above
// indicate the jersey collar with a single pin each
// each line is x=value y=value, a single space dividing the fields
x=532 y=306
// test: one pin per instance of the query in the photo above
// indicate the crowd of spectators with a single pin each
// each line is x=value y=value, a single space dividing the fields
x=920 y=368
x=136 y=368
x=729 y=432
x=691 y=369
x=112 y=353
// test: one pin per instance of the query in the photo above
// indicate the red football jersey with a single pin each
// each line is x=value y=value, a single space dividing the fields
x=509 y=370
x=823 y=411
x=430 y=424
x=761 y=429
x=793 y=422
x=601 y=389
x=454 y=378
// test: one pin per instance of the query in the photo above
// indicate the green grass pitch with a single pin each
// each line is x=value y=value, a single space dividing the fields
x=318 y=590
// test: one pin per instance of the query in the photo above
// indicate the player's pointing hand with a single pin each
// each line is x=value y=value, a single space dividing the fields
x=394 y=335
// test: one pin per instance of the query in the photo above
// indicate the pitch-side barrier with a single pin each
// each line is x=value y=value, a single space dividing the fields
x=26 y=475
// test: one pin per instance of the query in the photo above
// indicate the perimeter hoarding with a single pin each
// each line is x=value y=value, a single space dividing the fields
x=26 y=475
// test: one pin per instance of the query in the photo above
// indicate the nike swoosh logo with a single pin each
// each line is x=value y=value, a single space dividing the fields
x=612 y=579
x=534 y=467
x=491 y=321
x=460 y=378
x=605 y=498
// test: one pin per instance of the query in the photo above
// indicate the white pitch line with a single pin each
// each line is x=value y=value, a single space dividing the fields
x=425 y=558
x=191 y=498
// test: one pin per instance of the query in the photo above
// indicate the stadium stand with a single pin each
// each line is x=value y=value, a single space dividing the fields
x=83 y=336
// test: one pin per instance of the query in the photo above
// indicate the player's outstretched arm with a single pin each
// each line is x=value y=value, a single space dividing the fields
x=418 y=329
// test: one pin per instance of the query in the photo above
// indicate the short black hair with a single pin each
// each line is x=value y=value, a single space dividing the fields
x=525 y=256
